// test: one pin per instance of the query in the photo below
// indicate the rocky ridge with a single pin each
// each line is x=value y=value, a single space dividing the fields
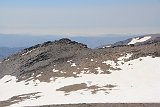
x=70 y=58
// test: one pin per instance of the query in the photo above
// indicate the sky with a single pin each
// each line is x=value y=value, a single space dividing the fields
x=79 y=17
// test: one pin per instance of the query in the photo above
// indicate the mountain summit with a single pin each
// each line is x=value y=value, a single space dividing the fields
x=43 y=56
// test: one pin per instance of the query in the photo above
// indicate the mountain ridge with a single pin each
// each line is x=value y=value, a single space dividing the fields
x=139 y=40
x=59 y=51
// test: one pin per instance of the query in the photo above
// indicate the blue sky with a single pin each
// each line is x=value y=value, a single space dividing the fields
x=81 y=3
x=79 y=17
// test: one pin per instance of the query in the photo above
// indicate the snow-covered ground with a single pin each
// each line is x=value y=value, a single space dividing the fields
x=137 y=81
x=28 y=52
x=136 y=40
x=107 y=46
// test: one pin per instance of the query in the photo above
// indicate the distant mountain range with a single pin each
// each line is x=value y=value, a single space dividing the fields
x=6 y=51
x=13 y=40
x=92 y=42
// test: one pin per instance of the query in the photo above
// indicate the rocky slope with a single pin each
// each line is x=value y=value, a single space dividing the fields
x=65 y=71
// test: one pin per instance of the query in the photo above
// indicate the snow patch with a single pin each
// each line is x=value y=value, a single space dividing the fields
x=125 y=57
x=39 y=75
x=74 y=73
x=120 y=61
x=73 y=65
x=107 y=46
x=52 y=79
x=61 y=71
x=28 y=52
x=69 y=61
x=136 y=40
x=99 y=70
x=7 y=59
x=109 y=62
x=54 y=70
x=85 y=68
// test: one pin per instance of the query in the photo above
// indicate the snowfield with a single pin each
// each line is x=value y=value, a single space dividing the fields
x=137 y=82
x=136 y=40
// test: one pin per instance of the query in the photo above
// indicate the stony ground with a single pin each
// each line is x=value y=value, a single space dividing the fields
x=3 y=104
x=69 y=57
x=109 y=105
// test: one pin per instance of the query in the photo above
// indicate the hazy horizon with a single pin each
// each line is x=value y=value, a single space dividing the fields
x=79 y=17
x=13 y=40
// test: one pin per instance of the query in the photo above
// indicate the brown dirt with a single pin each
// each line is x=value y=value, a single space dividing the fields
x=107 y=105
x=17 y=99
x=93 y=88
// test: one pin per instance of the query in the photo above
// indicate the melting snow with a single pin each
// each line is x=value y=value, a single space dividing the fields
x=99 y=70
x=69 y=61
x=62 y=72
x=27 y=52
x=136 y=40
x=127 y=56
x=52 y=79
x=110 y=62
x=137 y=83
x=39 y=75
x=85 y=68
x=7 y=60
x=73 y=65
x=54 y=70
x=32 y=74
x=120 y=60
x=107 y=46
x=74 y=73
